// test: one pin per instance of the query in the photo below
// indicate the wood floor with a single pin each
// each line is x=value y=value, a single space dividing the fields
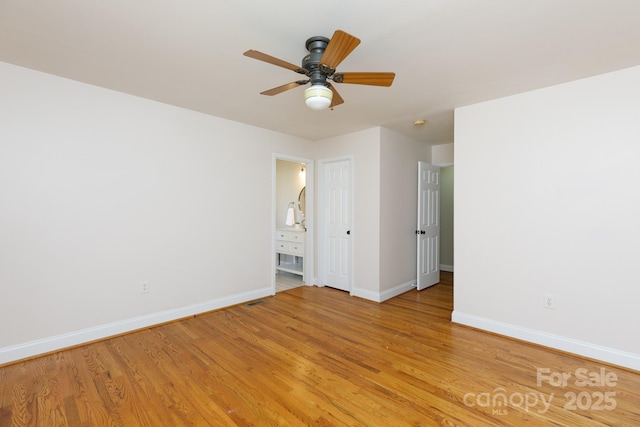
x=316 y=356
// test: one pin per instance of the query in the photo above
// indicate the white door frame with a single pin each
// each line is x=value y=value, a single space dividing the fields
x=308 y=216
x=323 y=262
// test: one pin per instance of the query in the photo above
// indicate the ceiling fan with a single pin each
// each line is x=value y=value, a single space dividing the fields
x=320 y=67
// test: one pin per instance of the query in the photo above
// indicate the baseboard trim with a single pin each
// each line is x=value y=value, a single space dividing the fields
x=384 y=295
x=448 y=268
x=71 y=339
x=580 y=348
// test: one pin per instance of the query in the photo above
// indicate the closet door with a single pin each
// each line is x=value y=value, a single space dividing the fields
x=335 y=236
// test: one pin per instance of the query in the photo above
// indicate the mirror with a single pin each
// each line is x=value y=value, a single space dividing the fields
x=302 y=200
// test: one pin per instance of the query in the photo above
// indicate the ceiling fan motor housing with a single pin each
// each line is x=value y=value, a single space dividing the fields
x=316 y=47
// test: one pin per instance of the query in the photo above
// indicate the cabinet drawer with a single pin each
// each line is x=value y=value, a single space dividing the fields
x=296 y=248
x=290 y=248
x=282 y=235
x=290 y=236
x=296 y=236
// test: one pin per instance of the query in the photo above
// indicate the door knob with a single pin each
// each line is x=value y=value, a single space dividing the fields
x=348 y=231
x=423 y=232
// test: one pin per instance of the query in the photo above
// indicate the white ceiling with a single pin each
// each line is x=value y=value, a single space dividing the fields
x=445 y=53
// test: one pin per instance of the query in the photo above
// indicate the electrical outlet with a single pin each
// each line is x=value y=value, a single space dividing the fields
x=144 y=288
x=549 y=301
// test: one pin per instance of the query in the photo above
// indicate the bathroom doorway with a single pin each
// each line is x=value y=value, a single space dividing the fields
x=292 y=222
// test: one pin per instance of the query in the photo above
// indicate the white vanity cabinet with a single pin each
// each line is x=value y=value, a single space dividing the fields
x=290 y=251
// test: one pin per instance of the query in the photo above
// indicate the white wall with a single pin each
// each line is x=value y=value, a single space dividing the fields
x=547 y=202
x=442 y=155
x=399 y=158
x=101 y=191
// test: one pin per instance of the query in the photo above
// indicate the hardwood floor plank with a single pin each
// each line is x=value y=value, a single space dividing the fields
x=314 y=356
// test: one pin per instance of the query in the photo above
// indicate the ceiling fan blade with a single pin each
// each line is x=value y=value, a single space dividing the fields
x=339 y=47
x=371 y=79
x=280 y=89
x=273 y=60
x=337 y=99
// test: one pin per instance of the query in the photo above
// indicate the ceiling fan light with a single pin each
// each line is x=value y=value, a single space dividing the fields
x=318 y=97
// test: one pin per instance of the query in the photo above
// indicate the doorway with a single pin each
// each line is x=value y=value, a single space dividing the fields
x=292 y=222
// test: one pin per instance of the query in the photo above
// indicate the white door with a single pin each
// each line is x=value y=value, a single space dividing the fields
x=428 y=232
x=336 y=223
